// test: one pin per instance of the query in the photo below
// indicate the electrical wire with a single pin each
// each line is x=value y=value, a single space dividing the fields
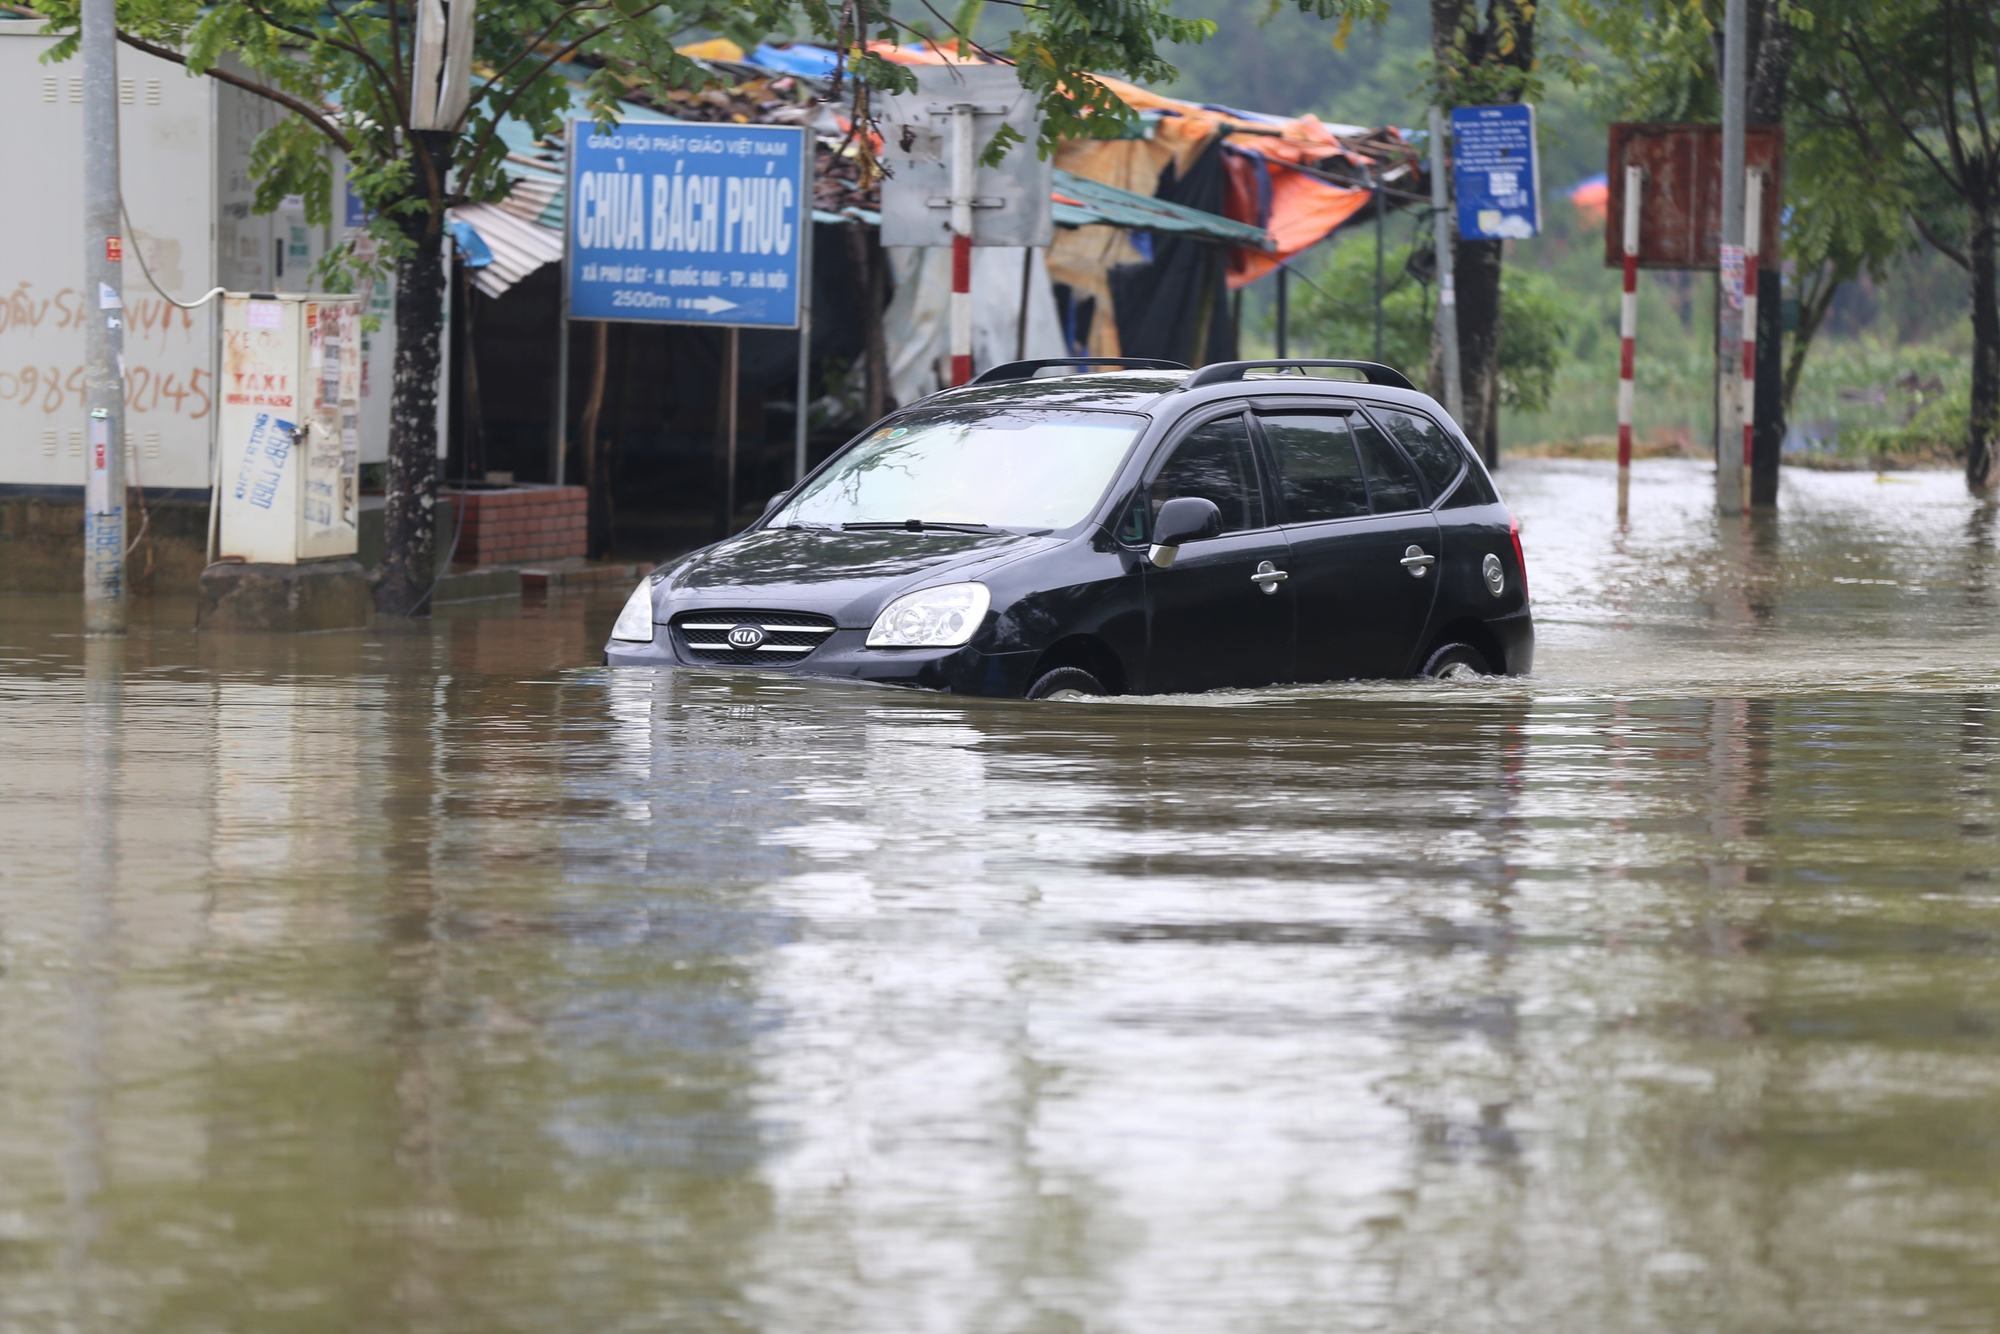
x=137 y=254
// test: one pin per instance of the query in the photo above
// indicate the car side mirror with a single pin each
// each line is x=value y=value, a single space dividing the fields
x=772 y=503
x=1183 y=519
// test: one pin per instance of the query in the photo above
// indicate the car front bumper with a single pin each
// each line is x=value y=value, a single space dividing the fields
x=845 y=654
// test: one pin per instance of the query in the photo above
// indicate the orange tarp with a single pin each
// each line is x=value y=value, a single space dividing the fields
x=1303 y=209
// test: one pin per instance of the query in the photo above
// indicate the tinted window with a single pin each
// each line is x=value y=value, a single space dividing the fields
x=1214 y=462
x=1436 y=455
x=1392 y=484
x=1474 y=490
x=1319 y=475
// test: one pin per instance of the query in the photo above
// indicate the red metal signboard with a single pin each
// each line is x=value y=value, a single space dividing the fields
x=1680 y=216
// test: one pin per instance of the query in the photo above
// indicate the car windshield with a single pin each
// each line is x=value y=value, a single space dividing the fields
x=1002 y=469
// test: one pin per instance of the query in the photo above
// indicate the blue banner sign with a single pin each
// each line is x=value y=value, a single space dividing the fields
x=681 y=223
x=1496 y=172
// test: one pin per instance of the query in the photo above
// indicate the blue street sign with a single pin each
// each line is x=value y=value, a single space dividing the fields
x=681 y=223
x=1496 y=172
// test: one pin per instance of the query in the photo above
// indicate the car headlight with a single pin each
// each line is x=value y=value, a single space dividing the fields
x=941 y=617
x=635 y=623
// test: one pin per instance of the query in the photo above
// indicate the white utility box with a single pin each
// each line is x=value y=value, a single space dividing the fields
x=288 y=432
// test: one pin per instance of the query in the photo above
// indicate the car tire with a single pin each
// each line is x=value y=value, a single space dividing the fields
x=1066 y=684
x=1456 y=662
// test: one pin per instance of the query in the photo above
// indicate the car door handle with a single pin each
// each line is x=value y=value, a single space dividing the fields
x=1268 y=576
x=1416 y=562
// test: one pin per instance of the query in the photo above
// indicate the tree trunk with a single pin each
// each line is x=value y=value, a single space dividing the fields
x=1767 y=441
x=409 y=512
x=1982 y=459
x=1478 y=281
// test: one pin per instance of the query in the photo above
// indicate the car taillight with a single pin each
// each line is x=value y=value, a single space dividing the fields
x=1514 y=531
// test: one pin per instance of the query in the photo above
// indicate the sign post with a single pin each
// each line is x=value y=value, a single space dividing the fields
x=703 y=224
x=1628 y=329
x=940 y=193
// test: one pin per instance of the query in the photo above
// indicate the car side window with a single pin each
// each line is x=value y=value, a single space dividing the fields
x=1319 y=474
x=1392 y=483
x=1436 y=455
x=1214 y=462
x=1474 y=490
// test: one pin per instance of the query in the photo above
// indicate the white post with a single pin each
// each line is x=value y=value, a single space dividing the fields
x=1729 y=296
x=1753 y=219
x=962 y=178
x=1628 y=324
x=1447 y=307
x=104 y=329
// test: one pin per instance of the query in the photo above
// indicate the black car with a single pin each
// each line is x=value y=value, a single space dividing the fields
x=1145 y=530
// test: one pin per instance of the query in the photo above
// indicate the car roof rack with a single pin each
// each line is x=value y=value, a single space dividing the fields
x=1012 y=371
x=1224 y=371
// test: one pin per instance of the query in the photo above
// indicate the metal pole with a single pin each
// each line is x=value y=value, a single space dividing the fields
x=1729 y=296
x=962 y=167
x=104 y=328
x=1446 y=329
x=572 y=219
x=1628 y=329
x=1027 y=283
x=1284 y=308
x=729 y=387
x=1376 y=181
x=1753 y=209
x=806 y=234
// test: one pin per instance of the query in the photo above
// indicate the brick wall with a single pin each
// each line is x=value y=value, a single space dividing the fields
x=526 y=523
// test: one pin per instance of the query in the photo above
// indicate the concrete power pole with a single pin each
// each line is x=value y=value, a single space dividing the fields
x=104 y=329
x=1729 y=479
x=1446 y=328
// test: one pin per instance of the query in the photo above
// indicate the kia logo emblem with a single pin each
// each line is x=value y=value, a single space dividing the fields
x=746 y=636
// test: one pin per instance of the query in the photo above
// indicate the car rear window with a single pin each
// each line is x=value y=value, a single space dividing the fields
x=1436 y=455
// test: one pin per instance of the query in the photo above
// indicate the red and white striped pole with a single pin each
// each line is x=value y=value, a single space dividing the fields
x=1628 y=324
x=1753 y=217
x=962 y=178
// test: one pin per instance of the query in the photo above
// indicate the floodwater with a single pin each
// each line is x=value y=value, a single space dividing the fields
x=434 y=978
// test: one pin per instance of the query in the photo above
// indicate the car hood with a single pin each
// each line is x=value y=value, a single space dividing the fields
x=846 y=575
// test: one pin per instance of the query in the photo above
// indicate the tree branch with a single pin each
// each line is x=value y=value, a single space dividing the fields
x=1937 y=242
x=1888 y=108
x=283 y=99
x=529 y=48
x=500 y=112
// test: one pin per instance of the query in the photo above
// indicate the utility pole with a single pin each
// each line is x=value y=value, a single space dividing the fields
x=104 y=328
x=1375 y=182
x=1729 y=477
x=1446 y=331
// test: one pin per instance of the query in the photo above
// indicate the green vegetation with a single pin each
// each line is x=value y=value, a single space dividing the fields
x=1879 y=308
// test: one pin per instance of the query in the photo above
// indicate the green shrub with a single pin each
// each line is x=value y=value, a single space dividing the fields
x=1334 y=316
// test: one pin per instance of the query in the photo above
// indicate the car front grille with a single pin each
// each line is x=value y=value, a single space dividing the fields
x=787 y=636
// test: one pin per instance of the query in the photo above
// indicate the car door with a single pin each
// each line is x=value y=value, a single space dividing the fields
x=1210 y=622
x=1360 y=543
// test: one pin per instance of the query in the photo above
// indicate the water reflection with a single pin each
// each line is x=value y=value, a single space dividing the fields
x=436 y=978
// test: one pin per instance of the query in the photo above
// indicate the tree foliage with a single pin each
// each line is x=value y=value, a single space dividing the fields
x=1334 y=316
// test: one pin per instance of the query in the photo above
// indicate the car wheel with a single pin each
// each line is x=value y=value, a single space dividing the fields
x=1066 y=683
x=1456 y=662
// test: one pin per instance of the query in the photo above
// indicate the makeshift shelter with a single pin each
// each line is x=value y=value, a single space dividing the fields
x=1153 y=232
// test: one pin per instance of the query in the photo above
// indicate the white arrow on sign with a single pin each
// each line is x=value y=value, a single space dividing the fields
x=713 y=305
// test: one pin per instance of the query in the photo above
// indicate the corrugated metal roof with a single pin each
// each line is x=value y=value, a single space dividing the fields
x=519 y=246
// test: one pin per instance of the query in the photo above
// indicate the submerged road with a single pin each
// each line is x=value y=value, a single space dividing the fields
x=436 y=978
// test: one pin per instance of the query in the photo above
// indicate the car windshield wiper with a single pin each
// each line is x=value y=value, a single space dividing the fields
x=918 y=526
